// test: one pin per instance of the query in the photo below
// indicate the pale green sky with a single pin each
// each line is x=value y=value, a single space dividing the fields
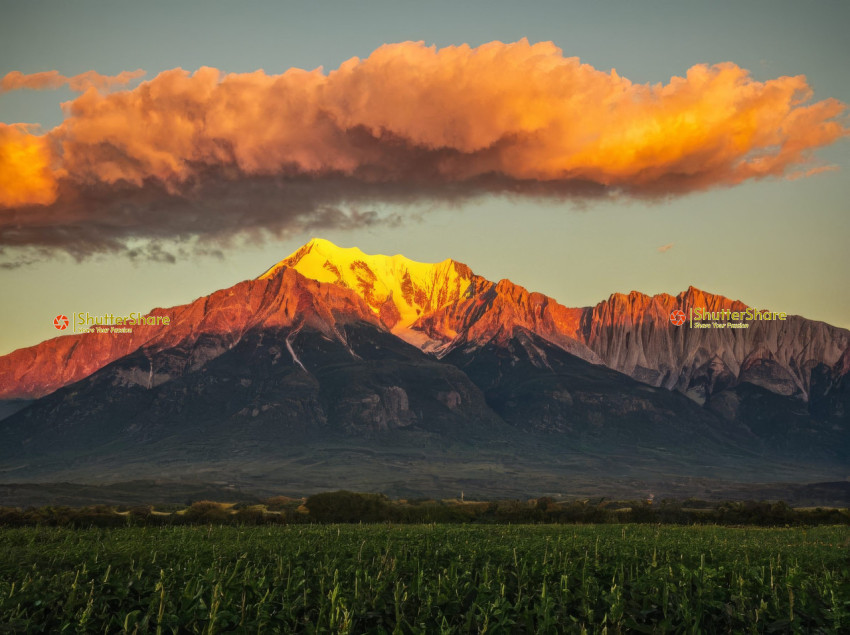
x=774 y=244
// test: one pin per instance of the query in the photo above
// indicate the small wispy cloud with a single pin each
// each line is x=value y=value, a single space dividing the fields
x=663 y=249
x=49 y=80
x=811 y=172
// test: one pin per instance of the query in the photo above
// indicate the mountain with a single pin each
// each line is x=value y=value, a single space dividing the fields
x=335 y=367
x=275 y=370
x=440 y=307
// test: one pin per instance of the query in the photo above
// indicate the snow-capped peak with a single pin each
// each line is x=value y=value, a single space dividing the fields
x=397 y=289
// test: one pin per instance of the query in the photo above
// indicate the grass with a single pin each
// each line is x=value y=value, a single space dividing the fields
x=425 y=579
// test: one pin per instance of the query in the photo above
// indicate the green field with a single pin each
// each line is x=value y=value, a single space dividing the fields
x=425 y=579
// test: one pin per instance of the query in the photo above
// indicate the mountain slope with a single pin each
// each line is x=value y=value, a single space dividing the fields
x=248 y=404
x=217 y=320
x=292 y=406
x=267 y=372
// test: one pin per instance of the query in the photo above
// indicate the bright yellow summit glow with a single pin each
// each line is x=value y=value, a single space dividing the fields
x=437 y=283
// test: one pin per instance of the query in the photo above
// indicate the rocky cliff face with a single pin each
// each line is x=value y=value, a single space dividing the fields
x=493 y=314
x=633 y=334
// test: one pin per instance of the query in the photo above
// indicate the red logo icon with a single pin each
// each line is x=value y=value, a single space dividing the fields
x=678 y=317
x=60 y=322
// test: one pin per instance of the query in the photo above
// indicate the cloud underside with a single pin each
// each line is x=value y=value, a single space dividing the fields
x=210 y=155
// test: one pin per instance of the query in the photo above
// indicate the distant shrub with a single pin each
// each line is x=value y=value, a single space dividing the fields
x=207 y=512
x=141 y=512
x=281 y=503
x=348 y=507
x=249 y=517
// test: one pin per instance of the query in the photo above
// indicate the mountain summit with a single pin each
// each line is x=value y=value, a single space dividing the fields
x=437 y=306
x=399 y=291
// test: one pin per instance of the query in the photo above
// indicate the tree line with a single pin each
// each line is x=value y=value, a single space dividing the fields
x=355 y=507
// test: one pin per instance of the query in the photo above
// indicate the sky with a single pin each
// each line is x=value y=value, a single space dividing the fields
x=152 y=153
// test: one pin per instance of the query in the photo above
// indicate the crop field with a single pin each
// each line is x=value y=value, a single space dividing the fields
x=425 y=579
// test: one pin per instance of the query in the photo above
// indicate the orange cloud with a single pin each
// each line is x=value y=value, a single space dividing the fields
x=408 y=121
x=78 y=83
x=33 y=81
x=26 y=176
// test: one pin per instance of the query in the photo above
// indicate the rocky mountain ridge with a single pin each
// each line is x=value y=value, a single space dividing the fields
x=444 y=306
x=209 y=326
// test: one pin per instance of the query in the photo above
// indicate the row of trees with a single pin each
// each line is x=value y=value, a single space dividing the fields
x=348 y=507
x=353 y=507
